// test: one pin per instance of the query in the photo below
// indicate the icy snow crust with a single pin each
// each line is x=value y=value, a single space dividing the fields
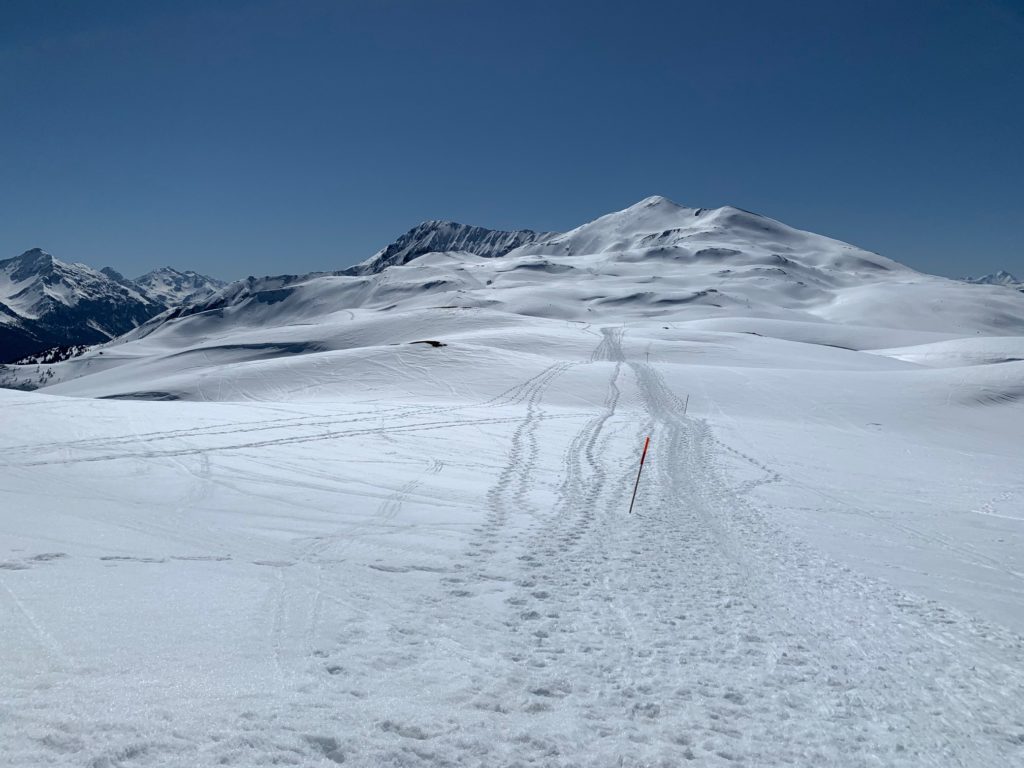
x=273 y=529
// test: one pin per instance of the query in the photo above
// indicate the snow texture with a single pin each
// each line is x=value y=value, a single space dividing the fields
x=274 y=529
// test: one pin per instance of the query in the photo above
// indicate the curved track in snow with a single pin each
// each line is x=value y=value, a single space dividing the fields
x=693 y=630
x=564 y=632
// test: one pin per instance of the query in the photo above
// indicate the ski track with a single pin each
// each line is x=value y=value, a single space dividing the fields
x=699 y=632
x=695 y=632
x=292 y=440
x=568 y=633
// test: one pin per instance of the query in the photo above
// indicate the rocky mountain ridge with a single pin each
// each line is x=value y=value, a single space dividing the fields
x=47 y=303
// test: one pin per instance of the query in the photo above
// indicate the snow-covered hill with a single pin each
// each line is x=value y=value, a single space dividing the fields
x=381 y=518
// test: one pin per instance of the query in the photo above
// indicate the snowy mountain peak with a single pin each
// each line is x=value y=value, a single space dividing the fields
x=665 y=206
x=34 y=253
x=45 y=302
x=173 y=286
x=1002 y=277
x=657 y=201
x=30 y=262
x=659 y=228
x=654 y=222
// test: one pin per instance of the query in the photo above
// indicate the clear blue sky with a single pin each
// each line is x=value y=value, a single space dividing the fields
x=277 y=136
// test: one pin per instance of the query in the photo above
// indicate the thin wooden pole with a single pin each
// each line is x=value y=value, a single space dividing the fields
x=636 y=485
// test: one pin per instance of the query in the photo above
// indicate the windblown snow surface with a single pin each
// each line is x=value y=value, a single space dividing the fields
x=279 y=531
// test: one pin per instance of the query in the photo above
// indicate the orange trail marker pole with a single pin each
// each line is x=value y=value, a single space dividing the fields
x=643 y=456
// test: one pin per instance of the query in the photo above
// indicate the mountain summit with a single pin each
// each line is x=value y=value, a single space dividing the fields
x=45 y=302
x=173 y=287
x=660 y=227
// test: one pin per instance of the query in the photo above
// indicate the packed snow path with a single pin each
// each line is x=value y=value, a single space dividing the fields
x=560 y=631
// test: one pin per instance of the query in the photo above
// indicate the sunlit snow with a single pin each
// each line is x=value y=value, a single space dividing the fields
x=282 y=527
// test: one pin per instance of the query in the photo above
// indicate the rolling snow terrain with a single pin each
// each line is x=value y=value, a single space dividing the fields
x=379 y=517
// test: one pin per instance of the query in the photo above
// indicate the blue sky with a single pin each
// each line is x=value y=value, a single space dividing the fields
x=278 y=136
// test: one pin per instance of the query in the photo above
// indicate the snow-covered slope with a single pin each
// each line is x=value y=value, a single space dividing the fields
x=173 y=287
x=657 y=227
x=382 y=519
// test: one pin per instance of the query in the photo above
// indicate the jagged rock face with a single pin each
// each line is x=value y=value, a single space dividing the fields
x=443 y=237
x=114 y=275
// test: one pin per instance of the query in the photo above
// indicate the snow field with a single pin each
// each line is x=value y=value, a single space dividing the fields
x=368 y=579
x=380 y=518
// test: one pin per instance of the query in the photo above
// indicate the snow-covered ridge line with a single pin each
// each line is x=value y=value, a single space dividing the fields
x=432 y=236
x=722 y=269
x=654 y=226
x=436 y=236
x=1002 y=277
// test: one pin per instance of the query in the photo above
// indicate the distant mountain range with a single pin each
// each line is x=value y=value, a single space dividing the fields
x=1002 y=277
x=653 y=259
x=655 y=264
x=423 y=239
x=45 y=302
